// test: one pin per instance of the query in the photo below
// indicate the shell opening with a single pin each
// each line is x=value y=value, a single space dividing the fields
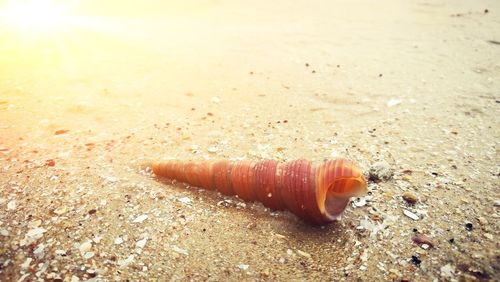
x=335 y=206
x=336 y=203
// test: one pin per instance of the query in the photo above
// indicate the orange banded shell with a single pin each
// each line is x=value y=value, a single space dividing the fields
x=316 y=193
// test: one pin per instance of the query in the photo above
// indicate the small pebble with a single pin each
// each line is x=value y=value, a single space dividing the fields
x=61 y=131
x=469 y=226
x=416 y=260
x=380 y=171
x=265 y=273
x=482 y=220
x=410 y=198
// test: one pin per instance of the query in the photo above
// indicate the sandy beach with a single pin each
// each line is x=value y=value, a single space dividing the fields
x=409 y=87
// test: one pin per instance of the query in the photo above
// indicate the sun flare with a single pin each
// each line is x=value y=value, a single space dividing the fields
x=51 y=32
x=37 y=16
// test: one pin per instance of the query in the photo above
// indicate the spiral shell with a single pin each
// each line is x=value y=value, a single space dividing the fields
x=316 y=193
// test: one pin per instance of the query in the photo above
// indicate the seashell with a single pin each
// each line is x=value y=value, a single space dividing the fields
x=316 y=193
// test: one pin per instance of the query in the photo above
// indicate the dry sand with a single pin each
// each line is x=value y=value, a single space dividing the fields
x=414 y=84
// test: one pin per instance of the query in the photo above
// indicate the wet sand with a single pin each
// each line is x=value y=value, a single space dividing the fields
x=412 y=85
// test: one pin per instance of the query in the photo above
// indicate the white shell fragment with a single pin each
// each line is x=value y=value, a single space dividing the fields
x=243 y=266
x=179 y=250
x=213 y=150
x=411 y=215
x=185 y=200
x=11 y=206
x=125 y=262
x=35 y=233
x=140 y=218
x=215 y=100
x=393 y=102
x=85 y=247
x=304 y=254
x=141 y=243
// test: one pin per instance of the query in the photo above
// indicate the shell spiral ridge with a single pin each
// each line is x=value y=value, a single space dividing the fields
x=317 y=193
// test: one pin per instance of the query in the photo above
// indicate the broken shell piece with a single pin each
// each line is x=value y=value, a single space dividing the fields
x=411 y=215
x=60 y=210
x=11 y=206
x=85 y=247
x=393 y=102
x=361 y=202
x=213 y=150
x=185 y=200
x=180 y=250
x=141 y=243
x=140 y=218
x=304 y=254
x=422 y=240
x=125 y=262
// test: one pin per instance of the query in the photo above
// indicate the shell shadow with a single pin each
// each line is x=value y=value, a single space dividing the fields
x=286 y=220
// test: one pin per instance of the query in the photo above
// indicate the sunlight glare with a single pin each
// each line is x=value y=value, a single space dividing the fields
x=37 y=16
